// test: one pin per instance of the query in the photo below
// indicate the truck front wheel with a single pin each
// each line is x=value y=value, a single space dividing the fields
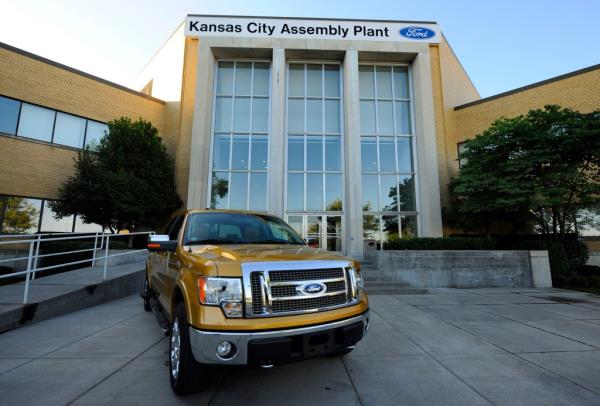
x=183 y=368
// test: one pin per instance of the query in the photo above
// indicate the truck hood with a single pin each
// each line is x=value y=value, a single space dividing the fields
x=228 y=258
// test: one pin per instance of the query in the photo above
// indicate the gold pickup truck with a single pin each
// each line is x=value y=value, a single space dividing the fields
x=241 y=288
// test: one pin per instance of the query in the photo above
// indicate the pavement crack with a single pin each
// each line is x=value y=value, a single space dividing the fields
x=360 y=402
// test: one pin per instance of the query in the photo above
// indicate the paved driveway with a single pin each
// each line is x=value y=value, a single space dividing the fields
x=449 y=347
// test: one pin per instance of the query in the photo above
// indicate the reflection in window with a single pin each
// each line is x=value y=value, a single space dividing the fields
x=95 y=132
x=69 y=130
x=240 y=136
x=462 y=147
x=19 y=215
x=36 y=122
x=9 y=115
x=50 y=224
x=386 y=153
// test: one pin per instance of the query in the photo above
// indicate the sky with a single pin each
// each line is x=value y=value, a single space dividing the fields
x=502 y=44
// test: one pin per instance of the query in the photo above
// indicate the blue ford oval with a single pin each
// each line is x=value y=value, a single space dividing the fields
x=415 y=32
x=313 y=288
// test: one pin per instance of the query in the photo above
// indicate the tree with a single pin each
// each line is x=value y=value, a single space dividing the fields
x=127 y=183
x=541 y=167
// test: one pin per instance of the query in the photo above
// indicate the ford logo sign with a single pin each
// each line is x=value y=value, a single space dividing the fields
x=313 y=288
x=415 y=32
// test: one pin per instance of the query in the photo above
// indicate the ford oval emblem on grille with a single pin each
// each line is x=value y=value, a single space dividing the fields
x=313 y=288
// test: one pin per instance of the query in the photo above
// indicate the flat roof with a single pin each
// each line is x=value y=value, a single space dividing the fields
x=77 y=71
x=313 y=18
x=527 y=87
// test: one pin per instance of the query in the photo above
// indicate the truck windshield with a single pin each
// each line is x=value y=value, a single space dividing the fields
x=238 y=228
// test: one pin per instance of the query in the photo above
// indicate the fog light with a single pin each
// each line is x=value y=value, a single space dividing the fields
x=225 y=349
x=367 y=325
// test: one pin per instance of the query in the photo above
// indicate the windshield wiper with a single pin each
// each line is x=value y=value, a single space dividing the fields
x=276 y=241
x=217 y=241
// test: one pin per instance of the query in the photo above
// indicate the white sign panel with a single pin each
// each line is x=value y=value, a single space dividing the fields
x=209 y=26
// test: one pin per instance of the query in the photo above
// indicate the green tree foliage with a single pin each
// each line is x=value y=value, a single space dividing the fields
x=127 y=183
x=17 y=215
x=540 y=167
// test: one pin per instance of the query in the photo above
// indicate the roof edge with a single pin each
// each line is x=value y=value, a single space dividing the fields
x=77 y=71
x=530 y=86
x=312 y=18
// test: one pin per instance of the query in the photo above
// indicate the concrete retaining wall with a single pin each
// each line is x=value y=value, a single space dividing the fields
x=465 y=269
x=121 y=259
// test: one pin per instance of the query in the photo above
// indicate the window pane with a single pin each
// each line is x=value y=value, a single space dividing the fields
x=402 y=118
x=406 y=189
x=221 y=152
x=368 y=154
x=314 y=153
x=334 y=233
x=314 y=116
x=81 y=227
x=296 y=223
x=259 y=154
x=243 y=78
x=333 y=154
x=36 y=122
x=295 y=153
x=261 y=79
x=401 y=83
x=295 y=192
x=238 y=191
x=389 y=202
x=258 y=188
x=333 y=192
x=219 y=190
x=314 y=191
x=404 y=155
x=386 y=154
x=225 y=78
x=409 y=226
x=384 y=81
x=389 y=226
x=385 y=112
x=367 y=117
x=314 y=81
x=332 y=116
x=260 y=115
x=50 y=224
x=313 y=230
x=296 y=80
x=370 y=227
x=241 y=114
x=20 y=215
x=9 y=113
x=69 y=130
x=366 y=81
x=369 y=192
x=332 y=80
x=223 y=114
x=239 y=152
x=296 y=115
x=95 y=132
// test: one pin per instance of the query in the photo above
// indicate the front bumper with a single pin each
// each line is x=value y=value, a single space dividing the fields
x=278 y=346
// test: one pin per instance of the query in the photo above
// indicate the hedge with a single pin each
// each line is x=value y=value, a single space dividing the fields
x=446 y=243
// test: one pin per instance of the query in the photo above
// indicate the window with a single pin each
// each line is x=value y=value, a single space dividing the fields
x=69 y=130
x=388 y=177
x=19 y=215
x=462 y=147
x=240 y=136
x=36 y=122
x=51 y=225
x=95 y=132
x=9 y=115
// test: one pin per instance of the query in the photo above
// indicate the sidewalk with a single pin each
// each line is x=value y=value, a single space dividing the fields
x=66 y=292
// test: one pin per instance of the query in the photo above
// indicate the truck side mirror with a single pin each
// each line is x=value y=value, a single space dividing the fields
x=161 y=243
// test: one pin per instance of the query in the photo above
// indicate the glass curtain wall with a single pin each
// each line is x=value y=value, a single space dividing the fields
x=240 y=136
x=388 y=177
x=314 y=198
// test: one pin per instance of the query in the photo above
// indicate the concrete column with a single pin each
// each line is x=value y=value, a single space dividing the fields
x=540 y=269
x=277 y=134
x=428 y=185
x=201 y=130
x=352 y=178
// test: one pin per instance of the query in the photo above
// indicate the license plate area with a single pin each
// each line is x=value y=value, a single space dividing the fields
x=315 y=344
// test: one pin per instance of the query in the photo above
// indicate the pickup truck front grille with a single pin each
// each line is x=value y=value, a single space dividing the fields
x=273 y=289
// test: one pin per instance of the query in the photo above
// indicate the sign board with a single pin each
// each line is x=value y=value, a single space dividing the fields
x=262 y=27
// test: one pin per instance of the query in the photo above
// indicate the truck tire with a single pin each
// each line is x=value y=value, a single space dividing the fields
x=183 y=368
x=146 y=289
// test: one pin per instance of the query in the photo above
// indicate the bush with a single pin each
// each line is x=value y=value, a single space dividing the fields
x=446 y=243
x=588 y=270
x=559 y=262
x=577 y=253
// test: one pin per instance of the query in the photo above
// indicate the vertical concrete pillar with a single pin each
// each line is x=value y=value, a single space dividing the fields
x=428 y=185
x=352 y=178
x=277 y=134
x=201 y=130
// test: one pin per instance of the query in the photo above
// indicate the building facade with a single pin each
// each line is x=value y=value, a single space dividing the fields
x=347 y=129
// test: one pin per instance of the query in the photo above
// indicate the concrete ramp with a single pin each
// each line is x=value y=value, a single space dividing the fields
x=63 y=293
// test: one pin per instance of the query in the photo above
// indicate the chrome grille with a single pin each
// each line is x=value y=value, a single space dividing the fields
x=275 y=288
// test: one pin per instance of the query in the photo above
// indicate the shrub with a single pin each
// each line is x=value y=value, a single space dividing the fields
x=446 y=243
x=577 y=253
x=559 y=263
x=588 y=270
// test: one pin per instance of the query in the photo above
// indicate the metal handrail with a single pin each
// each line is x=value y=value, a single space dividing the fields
x=36 y=240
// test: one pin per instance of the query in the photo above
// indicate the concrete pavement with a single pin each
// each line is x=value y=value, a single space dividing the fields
x=447 y=347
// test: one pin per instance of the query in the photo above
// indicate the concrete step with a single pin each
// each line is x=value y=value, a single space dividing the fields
x=395 y=291
x=384 y=284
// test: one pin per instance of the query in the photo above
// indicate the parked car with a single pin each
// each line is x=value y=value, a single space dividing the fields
x=242 y=288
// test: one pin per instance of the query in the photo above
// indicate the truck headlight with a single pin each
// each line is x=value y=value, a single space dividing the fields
x=358 y=278
x=223 y=292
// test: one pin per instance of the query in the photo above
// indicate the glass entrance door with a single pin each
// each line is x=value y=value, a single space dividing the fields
x=320 y=231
